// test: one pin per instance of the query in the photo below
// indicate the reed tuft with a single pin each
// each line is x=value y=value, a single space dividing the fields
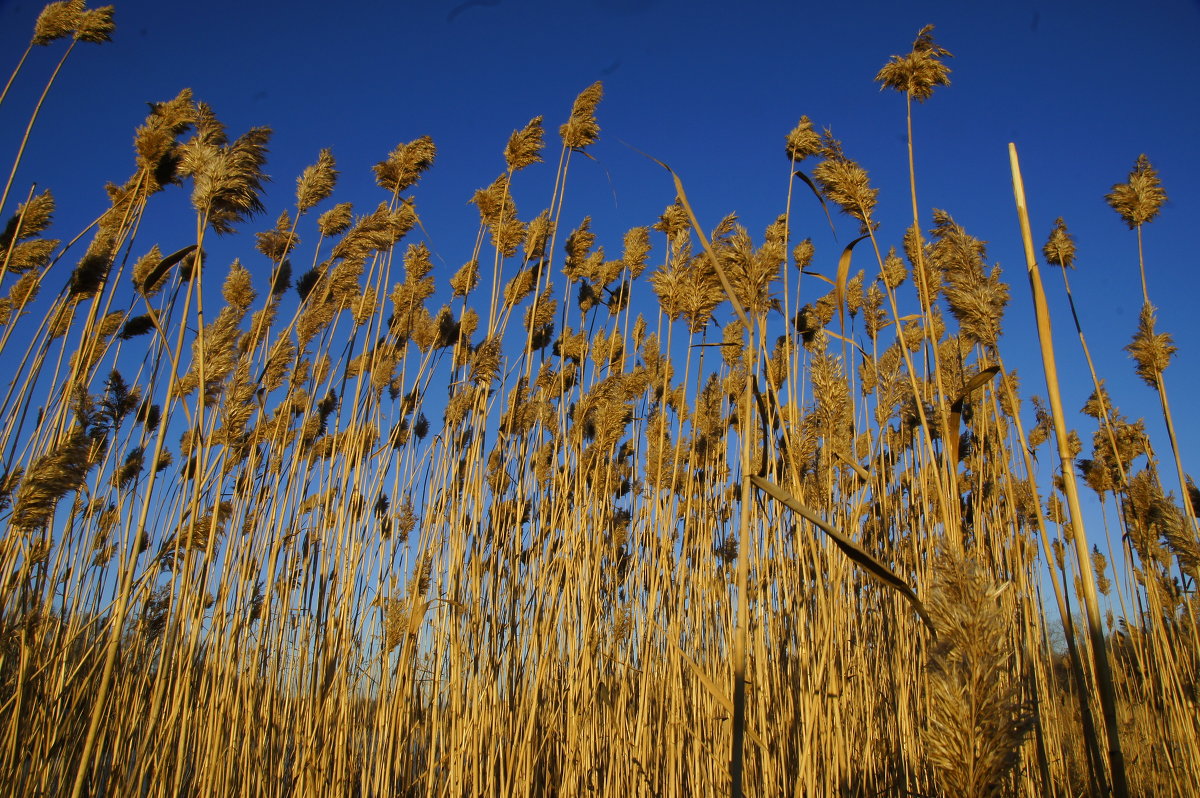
x=1139 y=200
x=582 y=129
x=921 y=71
x=977 y=718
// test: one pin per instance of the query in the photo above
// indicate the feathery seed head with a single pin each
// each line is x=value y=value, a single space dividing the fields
x=1060 y=247
x=364 y=305
x=674 y=222
x=637 y=247
x=278 y=242
x=466 y=278
x=92 y=271
x=21 y=294
x=578 y=247
x=537 y=236
x=750 y=273
x=919 y=72
x=238 y=290
x=336 y=220
x=525 y=146
x=95 y=25
x=700 y=292
x=1151 y=351
x=405 y=164
x=29 y=256
x=417 y=262
x=1099 y=405
x=57 y=21
x=802 y=254
x=582 y=128
x=175 y=115
x=894 y=271
x=977 y=297
x=485 y=364
x=875 y=316
x=855 y=296
x=316 y=182
x=147 y=265
x=777 y=364
x=1139 y=200
x=978 y=718
x=498 y=213
x=539 y=317
x=803 y=141
x=845 y=183
x=227 y=178
x=519 y=287
x=51 y=477
x=31 y=218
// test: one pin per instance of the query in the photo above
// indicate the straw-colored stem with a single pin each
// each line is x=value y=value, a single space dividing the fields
x=1099 y=646
x=37 y=108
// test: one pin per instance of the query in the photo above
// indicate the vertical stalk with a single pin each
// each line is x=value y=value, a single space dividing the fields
x=1104 y=677
x=738 y=664
x=37 y=109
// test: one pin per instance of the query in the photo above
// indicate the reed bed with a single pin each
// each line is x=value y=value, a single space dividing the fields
x=691 y=515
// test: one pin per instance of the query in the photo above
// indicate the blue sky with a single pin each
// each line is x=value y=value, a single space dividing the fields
x=1081 y=87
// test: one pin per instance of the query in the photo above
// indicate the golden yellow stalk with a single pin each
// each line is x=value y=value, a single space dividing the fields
x=1100 y=654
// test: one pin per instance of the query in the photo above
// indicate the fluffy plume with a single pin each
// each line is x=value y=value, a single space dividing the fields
x=582 y=128
x=1150 y=350
x=316 y=182
x=1060 y=247
x=919 y=72
x=1139 y=200
x=525 y=146
x=405 y=164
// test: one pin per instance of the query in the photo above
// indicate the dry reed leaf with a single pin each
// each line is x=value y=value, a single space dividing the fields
x=820 y=198
x=851 y=549
x=716 y=262
x=850 y=341
x=164 y=266
x=417 y=616
x=858 y=469
x=839 y=285
x=956 y=408
x=819 y=276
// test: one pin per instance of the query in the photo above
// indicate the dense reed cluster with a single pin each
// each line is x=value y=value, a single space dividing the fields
x=350 y=526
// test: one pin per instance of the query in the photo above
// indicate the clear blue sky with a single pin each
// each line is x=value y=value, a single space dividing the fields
x=711 y=88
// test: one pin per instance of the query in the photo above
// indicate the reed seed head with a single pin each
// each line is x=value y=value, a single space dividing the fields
x=336 y=220
x=674 y=222
x=95 y=25
x=525 y=146
x=1151 y=351
x=227 y=178
x=57 y=21
x=582 y=128
x=921 y=71
x=637 y=248
x=977 y=719
x=405 y=164
x=802 y=254
x=802 y=141
x=1139 y=200
x=316 y=182
x=845 y=183
x=466 y=278
x=1060 y=247
x=275 y=244
x=31 y=218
